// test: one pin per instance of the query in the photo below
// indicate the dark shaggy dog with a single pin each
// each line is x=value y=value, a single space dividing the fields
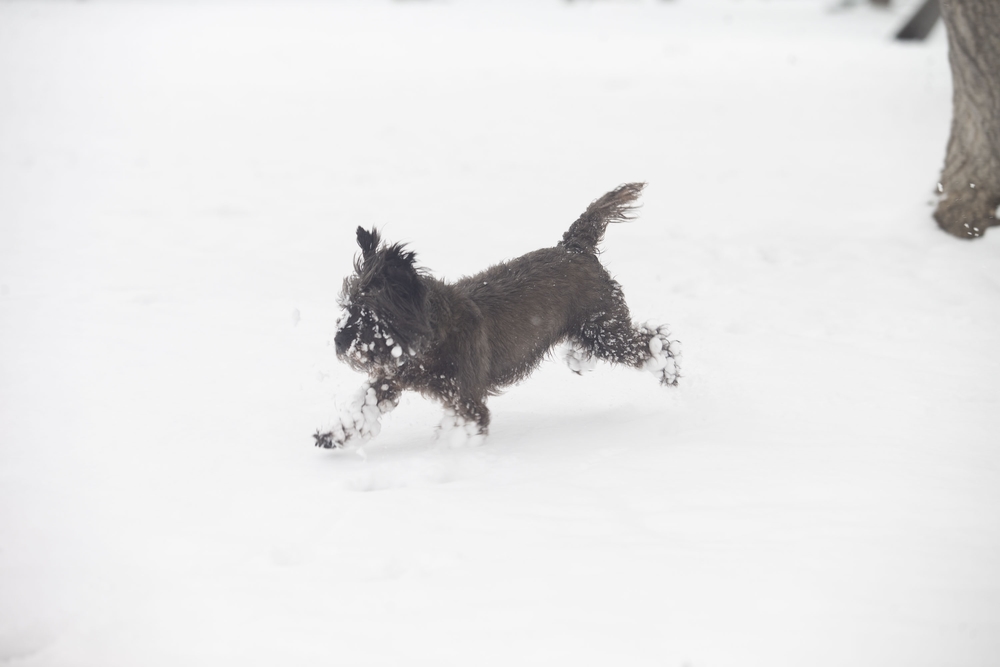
x=462 y=342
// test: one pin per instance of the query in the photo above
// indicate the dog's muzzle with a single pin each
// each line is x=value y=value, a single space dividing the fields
x=342 y=340
x=345 y=332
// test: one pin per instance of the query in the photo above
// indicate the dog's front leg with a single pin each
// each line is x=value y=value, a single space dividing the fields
x=466 y=421
x=359 y=421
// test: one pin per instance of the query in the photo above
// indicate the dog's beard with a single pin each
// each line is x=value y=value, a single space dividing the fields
x=366 y=343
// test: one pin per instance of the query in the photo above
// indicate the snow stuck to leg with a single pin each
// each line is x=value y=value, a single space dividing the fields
x=358 y=422
x=578 y=358
x=664 y=360
x=458 y=431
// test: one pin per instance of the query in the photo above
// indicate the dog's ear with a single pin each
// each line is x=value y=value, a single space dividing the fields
x=401 y=273
x=367 y=241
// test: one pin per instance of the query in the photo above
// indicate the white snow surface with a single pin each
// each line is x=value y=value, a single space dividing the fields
x=179 y=189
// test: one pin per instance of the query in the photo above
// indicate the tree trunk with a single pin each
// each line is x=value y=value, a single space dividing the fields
x=970 y=181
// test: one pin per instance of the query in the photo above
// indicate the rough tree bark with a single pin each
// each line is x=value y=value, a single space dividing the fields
x=970 y=181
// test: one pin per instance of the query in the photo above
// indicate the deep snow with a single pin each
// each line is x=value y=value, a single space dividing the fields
x=179 y=184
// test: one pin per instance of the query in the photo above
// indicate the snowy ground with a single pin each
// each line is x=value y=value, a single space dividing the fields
x=179 y=184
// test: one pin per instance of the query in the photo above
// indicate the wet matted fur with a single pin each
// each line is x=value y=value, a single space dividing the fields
x=461 y=342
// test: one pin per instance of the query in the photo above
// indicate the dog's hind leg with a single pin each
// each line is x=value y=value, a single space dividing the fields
x=578 y=356
x=664 y=354
x=645 y=346
x=610 y=335
x=359 y=420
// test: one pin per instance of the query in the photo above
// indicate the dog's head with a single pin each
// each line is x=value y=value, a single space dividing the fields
x=384 y=303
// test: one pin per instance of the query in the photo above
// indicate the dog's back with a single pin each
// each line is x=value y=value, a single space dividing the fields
x=532 y=303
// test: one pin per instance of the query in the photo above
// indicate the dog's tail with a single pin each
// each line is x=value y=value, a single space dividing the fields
x=587 y=232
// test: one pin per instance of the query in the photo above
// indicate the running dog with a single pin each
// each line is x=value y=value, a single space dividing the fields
x=463 y=341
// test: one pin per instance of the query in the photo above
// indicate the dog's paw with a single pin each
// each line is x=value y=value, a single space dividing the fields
x=578 y=358
x=358 y=422
x=664 y=358
x=328 y=440
x=342 y=432
x=457 y=431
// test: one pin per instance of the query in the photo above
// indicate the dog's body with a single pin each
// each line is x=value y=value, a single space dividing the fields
x=462 y=342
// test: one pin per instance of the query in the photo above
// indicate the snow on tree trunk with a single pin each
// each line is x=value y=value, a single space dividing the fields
x=970 y=182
